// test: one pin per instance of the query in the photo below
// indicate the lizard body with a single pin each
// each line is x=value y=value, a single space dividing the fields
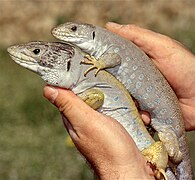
x=135 y=70
x=59 y=65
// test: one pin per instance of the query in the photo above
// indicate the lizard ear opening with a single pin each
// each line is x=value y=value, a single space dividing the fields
x=93 y=34
x=68 y=66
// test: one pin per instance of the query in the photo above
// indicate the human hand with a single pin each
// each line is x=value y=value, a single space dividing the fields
x=175 y=62
x=102 y=140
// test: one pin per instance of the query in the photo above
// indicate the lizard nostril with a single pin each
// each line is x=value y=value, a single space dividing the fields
x=54 y=30
x=11 y=49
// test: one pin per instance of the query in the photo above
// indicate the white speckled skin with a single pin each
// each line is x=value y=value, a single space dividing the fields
x=139 y=75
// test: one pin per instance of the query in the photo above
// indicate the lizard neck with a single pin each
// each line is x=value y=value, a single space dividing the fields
x=96 y=46
x=99 y=47
x=100 y=43
x=87 y=46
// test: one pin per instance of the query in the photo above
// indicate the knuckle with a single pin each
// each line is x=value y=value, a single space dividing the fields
x=64 y=106
x=131 y=26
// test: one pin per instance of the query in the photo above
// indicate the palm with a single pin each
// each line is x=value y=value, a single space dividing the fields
x=175 y=62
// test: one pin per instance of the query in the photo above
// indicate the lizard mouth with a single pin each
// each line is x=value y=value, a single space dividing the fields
x=18 y=56
x=22 y=59
x=26 y=64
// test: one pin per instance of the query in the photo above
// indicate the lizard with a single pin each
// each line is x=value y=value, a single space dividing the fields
x=136 y=71
x=59 y=64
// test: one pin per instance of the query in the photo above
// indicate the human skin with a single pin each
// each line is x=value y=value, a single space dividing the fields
x=174 y=60
x=104 y=143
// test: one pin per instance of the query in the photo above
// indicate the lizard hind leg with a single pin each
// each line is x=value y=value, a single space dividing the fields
x=169 y=139
x=157 y=157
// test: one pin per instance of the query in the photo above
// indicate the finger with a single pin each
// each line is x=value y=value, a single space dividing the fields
x=69 y=127
x=72 y=107
x=145 y=117
x=67 y=102
x=144 y=114
x=150 y=42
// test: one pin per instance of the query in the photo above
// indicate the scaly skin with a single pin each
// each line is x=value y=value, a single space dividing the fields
x=143 y=80
x=59 y=65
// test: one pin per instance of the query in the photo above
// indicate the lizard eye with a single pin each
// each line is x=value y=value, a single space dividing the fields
x=36 y=51
x=73 y=28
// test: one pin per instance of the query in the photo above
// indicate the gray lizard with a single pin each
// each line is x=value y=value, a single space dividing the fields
x=136 y=71
x=59 y=64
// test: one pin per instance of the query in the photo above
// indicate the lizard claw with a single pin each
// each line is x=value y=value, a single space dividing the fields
x=88 y=60
x=97 y=71
x=159 y=173
x=92 y=61
x=89 y=69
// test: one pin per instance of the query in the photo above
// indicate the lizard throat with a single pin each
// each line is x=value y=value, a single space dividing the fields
x=87 y=46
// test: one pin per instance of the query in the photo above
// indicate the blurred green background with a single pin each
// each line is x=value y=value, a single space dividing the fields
x=32 y=137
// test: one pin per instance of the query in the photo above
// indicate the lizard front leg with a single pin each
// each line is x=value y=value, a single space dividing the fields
x=93 y=97
x=108 y=60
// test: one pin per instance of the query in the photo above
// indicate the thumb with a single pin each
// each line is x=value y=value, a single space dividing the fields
x=74 y=111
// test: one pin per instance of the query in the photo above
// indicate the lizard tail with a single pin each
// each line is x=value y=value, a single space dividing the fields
x=184 y=169
x=170 y=174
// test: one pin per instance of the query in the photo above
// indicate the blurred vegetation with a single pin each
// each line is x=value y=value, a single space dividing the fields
x=32 y=137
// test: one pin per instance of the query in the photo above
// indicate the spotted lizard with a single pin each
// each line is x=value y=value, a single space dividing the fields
x=136 y=71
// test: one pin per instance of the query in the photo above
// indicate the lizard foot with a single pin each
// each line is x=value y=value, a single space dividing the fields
x=159 y=173
x=93 y=61
x=157 y=157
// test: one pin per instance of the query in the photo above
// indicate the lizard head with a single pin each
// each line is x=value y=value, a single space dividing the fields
x=52 y=61
x=76 y=33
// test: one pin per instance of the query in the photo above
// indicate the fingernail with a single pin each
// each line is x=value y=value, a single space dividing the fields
x=113 y=24
x=51 y=93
